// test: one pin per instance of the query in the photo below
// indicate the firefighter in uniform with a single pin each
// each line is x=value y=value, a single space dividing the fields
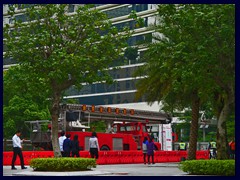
x=182 y=146
x=212 y=146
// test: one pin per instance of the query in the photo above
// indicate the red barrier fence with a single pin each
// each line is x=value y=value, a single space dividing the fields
x=110 y=157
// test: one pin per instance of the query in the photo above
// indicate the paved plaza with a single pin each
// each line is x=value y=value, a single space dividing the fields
x=158 y=169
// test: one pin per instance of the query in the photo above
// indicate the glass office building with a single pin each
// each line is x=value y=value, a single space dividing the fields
x=122 y=91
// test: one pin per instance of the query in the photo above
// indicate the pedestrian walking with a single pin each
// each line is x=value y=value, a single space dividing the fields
x=17 y=150
x=67 y=146
x=75 y=146
x=61 y=139
x=150 y=150
x=144 y=149
x=93 y=145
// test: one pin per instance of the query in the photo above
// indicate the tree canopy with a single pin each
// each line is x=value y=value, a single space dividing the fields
x=56 y=50
x=191 y=61
x=21 y=102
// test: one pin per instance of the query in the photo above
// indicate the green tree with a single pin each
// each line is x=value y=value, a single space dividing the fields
x=131 y=54
x=16 y=83
x=192 y=61
x=231 y=128
x=17 y=112
x=184 y=125
x=21 y=103
x=98 y=126
x=58 y=50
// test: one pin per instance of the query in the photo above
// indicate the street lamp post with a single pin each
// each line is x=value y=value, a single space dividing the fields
x=204 y=125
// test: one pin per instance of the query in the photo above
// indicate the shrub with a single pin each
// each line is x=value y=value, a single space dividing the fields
x=62 y=164
x=209 y=167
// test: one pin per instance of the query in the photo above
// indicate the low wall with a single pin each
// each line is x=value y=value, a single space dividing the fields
x=110 y=157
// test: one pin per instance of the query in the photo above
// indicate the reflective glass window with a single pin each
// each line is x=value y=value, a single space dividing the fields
x=70 y=8
x=135 y=40
x=110 y=99
x=141 y=7
x=23 y=6
x=8 y=61
x=103 y=88
x=22 y=18
x=117 y=12
x=96 y=5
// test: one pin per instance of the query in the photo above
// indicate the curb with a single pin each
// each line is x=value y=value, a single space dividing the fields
x=79 y=173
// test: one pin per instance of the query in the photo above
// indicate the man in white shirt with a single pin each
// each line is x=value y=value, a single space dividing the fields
x=61 y=139
x=17 y=150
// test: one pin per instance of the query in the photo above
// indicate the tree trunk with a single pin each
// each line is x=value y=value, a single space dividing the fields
x=194 y=127
x=222 y=149
x=224 y=113
x=55 y=114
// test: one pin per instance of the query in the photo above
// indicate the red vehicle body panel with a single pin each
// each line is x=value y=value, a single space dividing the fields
x=106 y=140
x=130 y=139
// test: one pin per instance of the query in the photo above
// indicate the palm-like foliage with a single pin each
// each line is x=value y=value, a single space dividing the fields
x=191 y=62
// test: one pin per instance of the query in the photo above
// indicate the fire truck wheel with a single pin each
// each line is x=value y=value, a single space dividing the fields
x=105 y=148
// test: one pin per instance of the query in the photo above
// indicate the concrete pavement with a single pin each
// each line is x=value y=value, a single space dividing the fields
x=158 y=169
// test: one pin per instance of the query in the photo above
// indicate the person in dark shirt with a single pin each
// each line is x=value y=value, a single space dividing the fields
x=150 y=150
x=67 y=145
x=75 y=146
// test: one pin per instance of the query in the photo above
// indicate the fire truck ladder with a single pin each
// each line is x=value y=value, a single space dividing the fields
x=92 y=112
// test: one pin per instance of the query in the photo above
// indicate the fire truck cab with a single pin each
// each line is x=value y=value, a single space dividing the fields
x=138 y=130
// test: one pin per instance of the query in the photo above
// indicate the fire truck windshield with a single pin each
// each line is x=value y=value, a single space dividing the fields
x=127 y=128
x=130 y=127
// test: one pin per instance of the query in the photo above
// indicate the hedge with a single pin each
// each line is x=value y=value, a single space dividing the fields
x=62 y=164
x=209 y=167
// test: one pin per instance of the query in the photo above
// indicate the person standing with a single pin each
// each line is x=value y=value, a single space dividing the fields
x=212 y=146
x=150 y=150
x=75 y=146
x=61 y=139
x=17 y=150
x=144 y=149
x=67 y=145
x=232 y=149
x=93 y=145
x=182 y=146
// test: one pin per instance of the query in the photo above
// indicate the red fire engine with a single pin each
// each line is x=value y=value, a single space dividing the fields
x=126 y=127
